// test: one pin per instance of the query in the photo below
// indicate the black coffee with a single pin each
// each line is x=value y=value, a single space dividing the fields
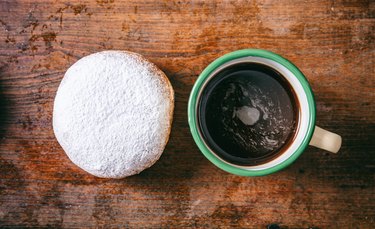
x=248 y=114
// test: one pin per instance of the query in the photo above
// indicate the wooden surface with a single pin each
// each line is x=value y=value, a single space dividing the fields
x=332 y=42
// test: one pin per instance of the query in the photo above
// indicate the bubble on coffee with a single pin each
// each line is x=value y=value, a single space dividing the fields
x=249 y=114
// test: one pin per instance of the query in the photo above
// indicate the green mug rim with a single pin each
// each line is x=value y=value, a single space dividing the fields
x=192 y=119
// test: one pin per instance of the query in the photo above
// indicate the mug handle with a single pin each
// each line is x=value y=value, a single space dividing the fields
x=326 y=140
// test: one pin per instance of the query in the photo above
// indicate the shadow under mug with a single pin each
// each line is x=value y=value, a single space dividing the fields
x=306 y=133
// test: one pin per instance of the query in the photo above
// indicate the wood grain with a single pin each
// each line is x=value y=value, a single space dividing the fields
x=332 y=42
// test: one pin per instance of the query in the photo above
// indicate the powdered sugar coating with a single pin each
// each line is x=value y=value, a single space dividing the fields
x=112 y=113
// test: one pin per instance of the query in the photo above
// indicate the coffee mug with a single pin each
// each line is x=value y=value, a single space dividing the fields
x=252 y=113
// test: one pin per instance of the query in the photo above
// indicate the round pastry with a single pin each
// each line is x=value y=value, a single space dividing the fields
x=113 y=113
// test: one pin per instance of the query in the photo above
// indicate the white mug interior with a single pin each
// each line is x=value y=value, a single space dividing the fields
x=303 y=117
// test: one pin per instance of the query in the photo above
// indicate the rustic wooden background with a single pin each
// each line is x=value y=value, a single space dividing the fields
x=332 y=42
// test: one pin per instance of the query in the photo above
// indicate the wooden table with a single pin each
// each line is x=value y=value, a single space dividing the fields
x=332 y=42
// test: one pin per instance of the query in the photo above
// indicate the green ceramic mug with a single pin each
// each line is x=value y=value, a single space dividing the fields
x=306 y=132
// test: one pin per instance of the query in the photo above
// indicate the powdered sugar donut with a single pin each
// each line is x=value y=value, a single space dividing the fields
x=113 y=113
